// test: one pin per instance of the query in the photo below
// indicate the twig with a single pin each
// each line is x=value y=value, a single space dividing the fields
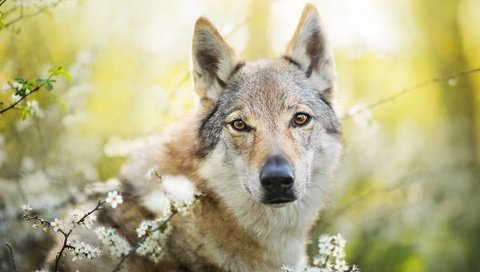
x=139 y=243
x=25 y=17
x=398 y=184
x=37 y=88
x=66 y=235
x=97 y=208
x=439 y=78
x=2 y=2
x=22 y=16
x=10 y=248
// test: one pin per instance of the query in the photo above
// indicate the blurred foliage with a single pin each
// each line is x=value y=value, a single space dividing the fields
x=406 y=190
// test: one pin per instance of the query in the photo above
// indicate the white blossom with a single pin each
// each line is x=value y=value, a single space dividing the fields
x=331 y=256
x=114 y=199
x=56 y=224
x=71 y=221
x=17 y=85
x=157 y=232
x=116 y=244
x=33 y=104
x=286 y=268
x=76 y=254
x=79 y=249
x=89 y=220
x=15 y=98
x=340 y=265
x=143 y=227
x=312 y=269
x=27 y=207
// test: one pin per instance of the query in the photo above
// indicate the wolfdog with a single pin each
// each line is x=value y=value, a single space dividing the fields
x=262 y=146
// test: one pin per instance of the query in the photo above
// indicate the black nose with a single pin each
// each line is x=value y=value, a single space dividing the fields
x=276 y=175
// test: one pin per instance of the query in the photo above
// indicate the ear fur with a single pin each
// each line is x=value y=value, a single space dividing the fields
x=213 y=61
x=310 y=49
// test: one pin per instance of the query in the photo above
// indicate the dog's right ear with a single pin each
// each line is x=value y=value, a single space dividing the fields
x=213 y=61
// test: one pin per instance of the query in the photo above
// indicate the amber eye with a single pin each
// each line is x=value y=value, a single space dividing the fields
x=239 y=125
x=301 y=119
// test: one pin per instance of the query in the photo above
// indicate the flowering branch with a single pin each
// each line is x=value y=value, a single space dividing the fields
x=148 y=229
x=74 y=247
x=66 y=235
x=440 y=78
x=330 y=258
x=12 y=106
x=24 y=88
x=141 y=241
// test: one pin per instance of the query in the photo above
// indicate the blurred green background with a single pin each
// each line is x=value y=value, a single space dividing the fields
x=406 y=194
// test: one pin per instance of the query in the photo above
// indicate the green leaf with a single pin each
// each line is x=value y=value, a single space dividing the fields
x=20 y=80
x=61 y=104
x=66 y=75
x=60 y=71
x=48 y=85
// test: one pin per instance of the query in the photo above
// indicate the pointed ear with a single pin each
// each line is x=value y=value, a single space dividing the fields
x=213 y=61
x=309 y=49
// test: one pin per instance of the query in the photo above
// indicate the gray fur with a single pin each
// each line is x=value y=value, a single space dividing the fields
x=243 y=87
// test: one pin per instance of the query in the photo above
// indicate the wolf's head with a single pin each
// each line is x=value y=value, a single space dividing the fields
x=269 y=129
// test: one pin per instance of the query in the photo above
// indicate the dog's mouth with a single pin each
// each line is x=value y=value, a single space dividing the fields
x=279 y=200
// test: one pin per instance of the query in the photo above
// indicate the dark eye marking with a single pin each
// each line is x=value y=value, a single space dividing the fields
x=325 y=100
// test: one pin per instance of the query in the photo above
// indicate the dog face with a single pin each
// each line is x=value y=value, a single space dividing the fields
x=271 y=122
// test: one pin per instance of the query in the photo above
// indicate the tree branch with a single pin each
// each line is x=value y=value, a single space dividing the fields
x=37 y=88
x=439 y=78
x=139 y=243
x=66 y=235
x=10 y=250
x=22 y=16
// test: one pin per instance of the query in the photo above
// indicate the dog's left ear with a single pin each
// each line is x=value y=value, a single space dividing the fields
x=310 y=50
x=213 y=62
